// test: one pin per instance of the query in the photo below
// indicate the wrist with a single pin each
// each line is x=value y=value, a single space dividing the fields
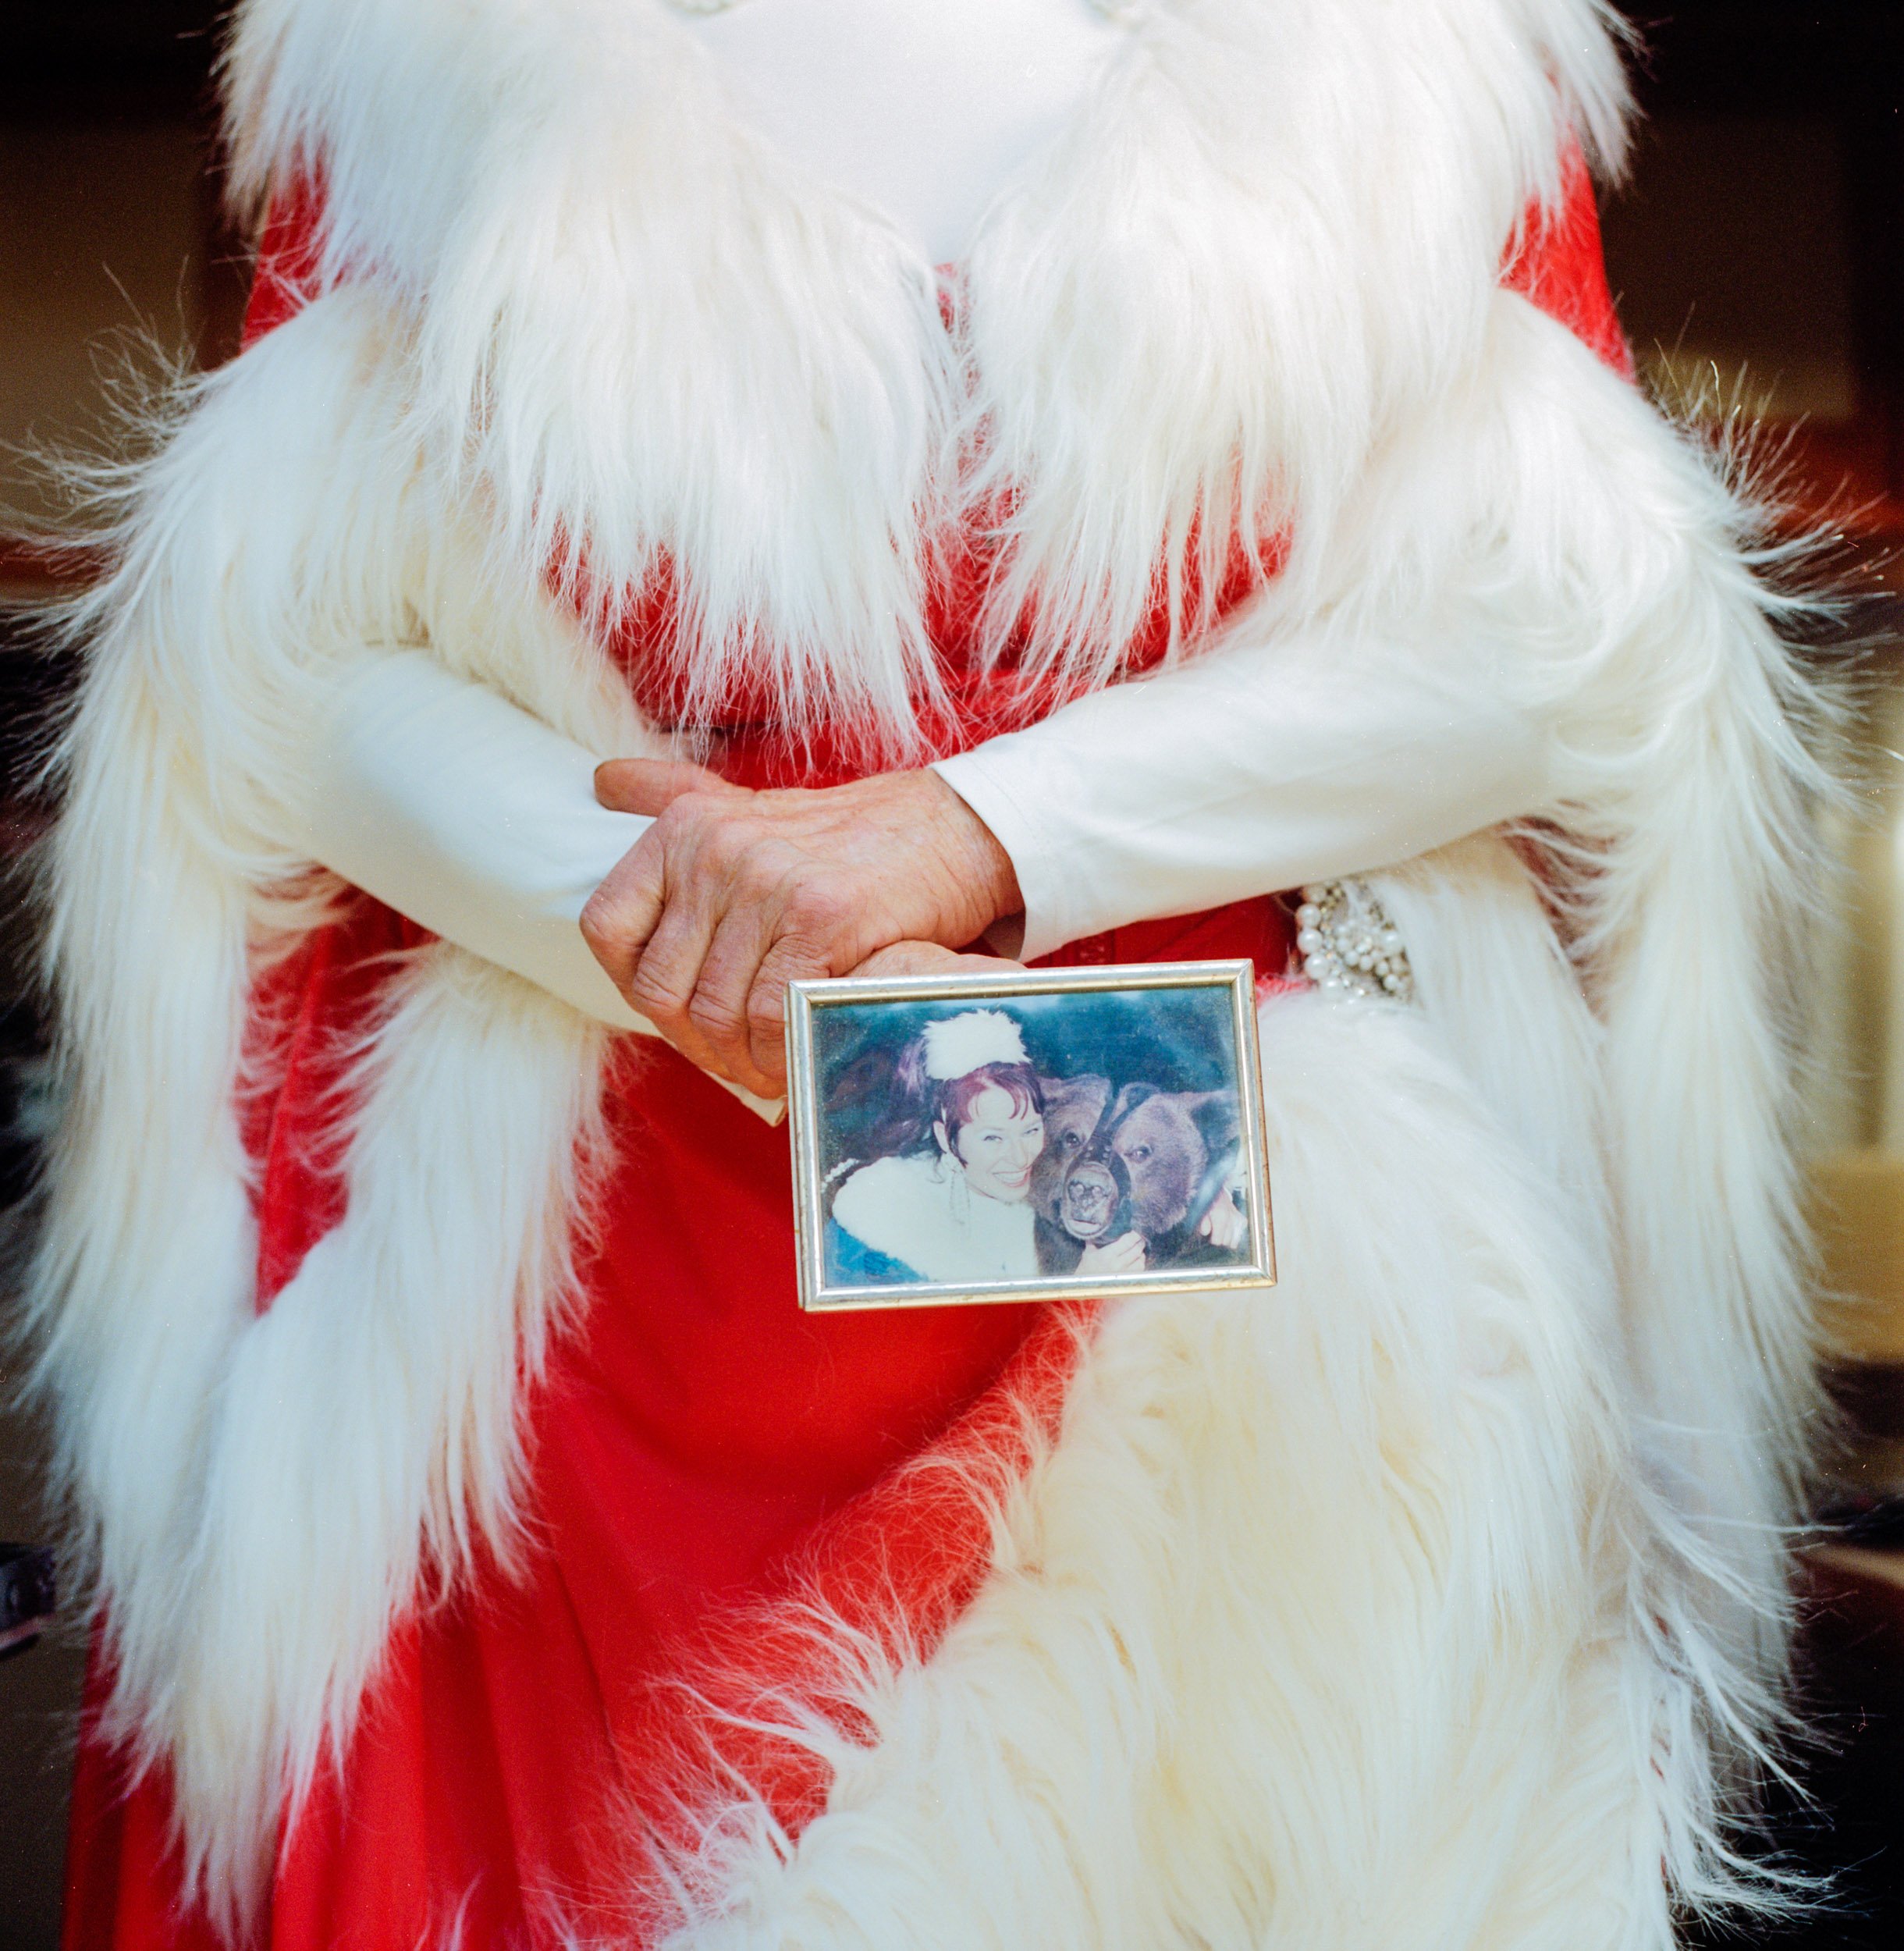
x=982 y=883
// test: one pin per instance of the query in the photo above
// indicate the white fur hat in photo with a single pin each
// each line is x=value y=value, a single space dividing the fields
x=958 y=1045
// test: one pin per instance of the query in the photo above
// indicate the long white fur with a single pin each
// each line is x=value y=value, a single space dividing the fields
x=1309 y=1630
x=264 y=1495
x=1214 y=299
x=1682 y=858
x=1207 y=295
x=583 y=312
x=576 y=216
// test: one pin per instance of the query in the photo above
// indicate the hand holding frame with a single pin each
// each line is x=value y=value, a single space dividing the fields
x=733 y=893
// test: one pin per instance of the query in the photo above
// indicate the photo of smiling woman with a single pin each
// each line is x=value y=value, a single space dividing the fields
x=953 y=1202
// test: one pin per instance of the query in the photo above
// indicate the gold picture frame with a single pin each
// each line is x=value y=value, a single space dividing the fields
x=951 y=1119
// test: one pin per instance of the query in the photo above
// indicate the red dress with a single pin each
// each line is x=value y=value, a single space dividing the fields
x=699 y=1447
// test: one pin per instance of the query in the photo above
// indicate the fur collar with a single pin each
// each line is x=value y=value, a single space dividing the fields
x=1271 y=234
x=917 y=1210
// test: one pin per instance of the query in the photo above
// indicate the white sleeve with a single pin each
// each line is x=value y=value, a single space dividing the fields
x=1252 y=769
x=475 y=819
x=1249 y=770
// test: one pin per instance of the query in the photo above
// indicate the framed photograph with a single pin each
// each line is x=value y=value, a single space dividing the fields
x=1028 y=1136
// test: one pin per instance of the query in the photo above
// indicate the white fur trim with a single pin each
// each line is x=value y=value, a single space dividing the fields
x=1680 y=850
x=262 y=1496
x=1684 y=854
x=917 y=1210
x=1313 y=1627
x=1273 y=232
x=958 y=1045
x=594 y=321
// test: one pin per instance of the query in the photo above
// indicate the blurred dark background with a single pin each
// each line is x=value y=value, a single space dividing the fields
x=1758 y=254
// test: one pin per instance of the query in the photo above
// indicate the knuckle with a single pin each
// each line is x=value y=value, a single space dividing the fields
x=766 y=1013
x=793 y=957
x=681 y=818
x=653 y=993
x=818 y=905
x=698 y=811
x=728 y=845
x=599 y=915
x=608 y=946
x=716 y=1019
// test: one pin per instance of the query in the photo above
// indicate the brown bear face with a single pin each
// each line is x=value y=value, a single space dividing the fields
x=1094 y=1207
x=1164 y=1155
x=1073 y=1105
x=1165 y=1141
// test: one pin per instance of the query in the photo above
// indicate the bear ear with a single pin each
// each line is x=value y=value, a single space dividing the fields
x=1218 y=1118
x=1089 y=1088
x=1128 y=1099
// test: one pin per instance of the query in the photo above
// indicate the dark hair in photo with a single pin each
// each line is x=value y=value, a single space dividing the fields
x=919 y=1101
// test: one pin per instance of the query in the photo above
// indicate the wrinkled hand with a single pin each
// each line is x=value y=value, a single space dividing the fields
x=732 y=894
x=928 y=959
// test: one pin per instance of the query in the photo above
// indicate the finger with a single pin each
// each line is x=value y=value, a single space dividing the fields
x=618 y=919
x=686 y=1039
x=909 y=959
x=790 y=959
x=650 y=786
x=928 y=959
x=719 y=1009
x=667 y=972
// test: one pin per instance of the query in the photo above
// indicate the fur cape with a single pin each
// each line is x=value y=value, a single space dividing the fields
x=1440 y=1602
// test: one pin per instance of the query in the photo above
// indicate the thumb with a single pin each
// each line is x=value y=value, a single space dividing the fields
x=647 y=785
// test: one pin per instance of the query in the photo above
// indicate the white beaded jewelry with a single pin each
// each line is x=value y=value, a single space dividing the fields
x=1348 y=945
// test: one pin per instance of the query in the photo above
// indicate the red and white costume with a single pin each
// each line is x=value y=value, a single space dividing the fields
x=488 y=1548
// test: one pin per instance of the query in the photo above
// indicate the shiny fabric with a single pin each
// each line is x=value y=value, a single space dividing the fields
x=701 y=1451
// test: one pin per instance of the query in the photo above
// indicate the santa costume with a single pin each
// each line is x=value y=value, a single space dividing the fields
x=1248 y=490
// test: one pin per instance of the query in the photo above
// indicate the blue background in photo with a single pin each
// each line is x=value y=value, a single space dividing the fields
x=1181 y=1039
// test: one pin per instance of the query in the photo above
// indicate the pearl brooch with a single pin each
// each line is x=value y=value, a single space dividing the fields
x=1348 y=944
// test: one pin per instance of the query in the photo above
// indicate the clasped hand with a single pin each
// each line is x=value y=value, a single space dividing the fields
x=732 y=894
